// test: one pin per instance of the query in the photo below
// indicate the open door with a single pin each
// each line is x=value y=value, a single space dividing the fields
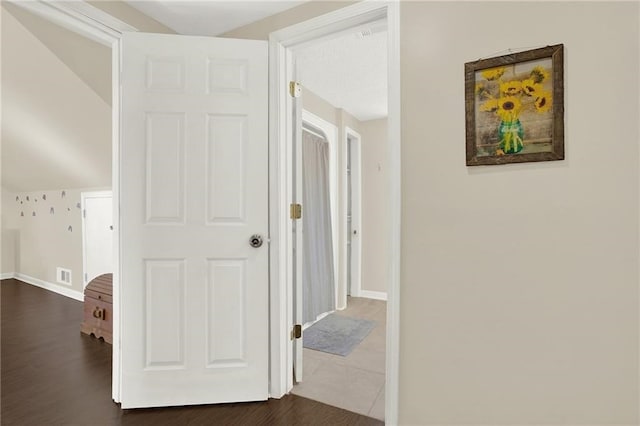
x=193 y=209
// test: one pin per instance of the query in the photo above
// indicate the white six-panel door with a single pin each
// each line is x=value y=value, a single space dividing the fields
x=193 y=185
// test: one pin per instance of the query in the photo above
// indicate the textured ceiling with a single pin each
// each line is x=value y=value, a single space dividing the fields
x=210 y=18
x=350 y=72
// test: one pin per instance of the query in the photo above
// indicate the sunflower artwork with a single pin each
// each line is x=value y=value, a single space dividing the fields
x=509 y=93
x=513 y=111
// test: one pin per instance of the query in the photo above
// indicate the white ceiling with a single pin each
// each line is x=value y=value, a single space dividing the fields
x=210 y=18
x=350 y=71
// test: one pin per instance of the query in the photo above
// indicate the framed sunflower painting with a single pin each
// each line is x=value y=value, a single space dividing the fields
x=515 y=107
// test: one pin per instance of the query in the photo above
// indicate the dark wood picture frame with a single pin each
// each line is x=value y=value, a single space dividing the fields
x=514 y=107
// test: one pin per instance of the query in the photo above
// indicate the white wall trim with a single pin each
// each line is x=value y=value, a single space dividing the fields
x=7 y=275
x=356 y=208
x=394 y=141
x=79 y=17
x=280 y=44
x=370 y=294
x=86 y=12
x=64 y=291
x=298 y=35
x=115 y=191
x=280 y=350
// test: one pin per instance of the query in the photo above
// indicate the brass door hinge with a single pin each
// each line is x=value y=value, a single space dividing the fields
x=296 y=211
x=296 y=333
x=295 y=90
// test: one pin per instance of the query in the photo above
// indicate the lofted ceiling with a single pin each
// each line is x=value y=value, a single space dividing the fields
x=56 y=127
x=210 y=18
x=71 y=49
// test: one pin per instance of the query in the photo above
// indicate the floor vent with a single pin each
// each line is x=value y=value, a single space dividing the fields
x=64 y=276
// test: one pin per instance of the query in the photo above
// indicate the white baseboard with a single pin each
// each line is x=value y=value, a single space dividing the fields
x=7 y=275
x=64 y=291
x=378 y=295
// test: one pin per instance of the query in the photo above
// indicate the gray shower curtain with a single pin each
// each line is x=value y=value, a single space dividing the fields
x=318 y=283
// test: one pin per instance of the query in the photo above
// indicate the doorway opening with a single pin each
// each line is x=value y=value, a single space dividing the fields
x=341 y=339
x=354 y=99
x=284 y=352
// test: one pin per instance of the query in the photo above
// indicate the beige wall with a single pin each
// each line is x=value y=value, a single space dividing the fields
x=56 y=131
x=375 y=205
x=8 y=252
x=519 y=299
x=318 y=106
x=8 y=236
x=44 y=242
x=87 y=59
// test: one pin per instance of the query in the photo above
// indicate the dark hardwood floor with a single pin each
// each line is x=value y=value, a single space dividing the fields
x=54 y=375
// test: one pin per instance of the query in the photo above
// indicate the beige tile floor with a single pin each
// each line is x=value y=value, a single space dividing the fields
x=354 y=382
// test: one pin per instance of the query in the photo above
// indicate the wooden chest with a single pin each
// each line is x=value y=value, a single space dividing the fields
x=98 y=308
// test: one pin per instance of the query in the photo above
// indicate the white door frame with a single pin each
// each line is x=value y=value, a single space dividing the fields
x=92 y=23
x=355 y=178
x=83 y=204
x=280 y=109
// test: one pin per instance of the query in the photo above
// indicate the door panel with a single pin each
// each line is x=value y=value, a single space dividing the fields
x=194 y=293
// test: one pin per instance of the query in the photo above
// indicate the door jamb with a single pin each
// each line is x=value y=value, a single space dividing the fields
x=356 y=214
x=280 y=107
x=92 y=23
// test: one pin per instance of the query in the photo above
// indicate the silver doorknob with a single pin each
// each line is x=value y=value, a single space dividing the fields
x=255 y=241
